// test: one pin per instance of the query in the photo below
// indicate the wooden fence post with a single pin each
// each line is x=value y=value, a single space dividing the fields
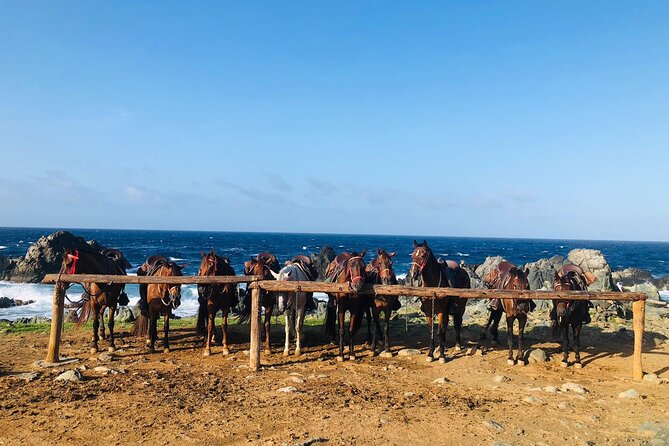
x=639 y=310
x=254 y=349
x=52 y=355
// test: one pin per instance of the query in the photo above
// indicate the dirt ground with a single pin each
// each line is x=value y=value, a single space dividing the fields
x=182 y=397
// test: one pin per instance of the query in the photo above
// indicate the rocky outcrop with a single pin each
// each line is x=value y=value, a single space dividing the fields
x=323 y=259
x=488 y=265
x=593 y=260
x=6 y=302
x=636 y=279
x=542 y=272
x=45 y=257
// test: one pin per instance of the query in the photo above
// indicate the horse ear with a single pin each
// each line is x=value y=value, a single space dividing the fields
x=415 y=243
x=275 y=275
x=379 y=250
x=392 y=254
x=288 y=273
x=362 y=254
x=425 y=243
x=182 y=266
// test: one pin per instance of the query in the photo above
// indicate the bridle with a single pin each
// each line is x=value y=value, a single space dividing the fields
x=350 y=273
x=168 y=298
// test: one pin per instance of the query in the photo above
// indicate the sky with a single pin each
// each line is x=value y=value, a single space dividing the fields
x=500 y=119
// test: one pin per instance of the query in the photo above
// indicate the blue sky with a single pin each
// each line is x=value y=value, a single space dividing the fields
x=509 y=119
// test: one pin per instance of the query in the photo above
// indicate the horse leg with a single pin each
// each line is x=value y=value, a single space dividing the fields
x=375 y=331
x=443 y=323
x=430 y=325
x=153 y=329
x=211 y=314
x=268 y=317
x=565 y=345
x=368 y=315
x=112 y=345
x=96 y=326
x=509 y=338
x=289 y=323
x=299 y=326
x=353 y=320
x=496 y=317
x=224 y=329
x=577 y=344
x=103 y=308
x=522 y=320
x=386 y=331
x=166 y=330
x=341 y=312
x=457 y=324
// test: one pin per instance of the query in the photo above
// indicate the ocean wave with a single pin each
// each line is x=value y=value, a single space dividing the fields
x=3 y=247
x=664 y=296
x=175 y=259
x=462 y=254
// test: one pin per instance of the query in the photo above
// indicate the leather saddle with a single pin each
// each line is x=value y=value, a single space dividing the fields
x=151 y=264
x=337 y=266
x=306 y=265
x=117 y=256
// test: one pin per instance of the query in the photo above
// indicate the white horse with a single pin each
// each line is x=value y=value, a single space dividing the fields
x=293 y=304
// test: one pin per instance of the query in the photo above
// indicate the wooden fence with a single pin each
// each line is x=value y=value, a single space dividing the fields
x=256 y=285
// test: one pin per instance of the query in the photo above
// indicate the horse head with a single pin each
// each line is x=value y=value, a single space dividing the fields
x=419 y=258
x=355 y=271
x=69 y=263
x=382 y=267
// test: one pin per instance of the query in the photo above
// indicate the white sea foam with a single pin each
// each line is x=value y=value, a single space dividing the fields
x=664 y=295
x=175 y=259
x=3 y=247
x=462 y=254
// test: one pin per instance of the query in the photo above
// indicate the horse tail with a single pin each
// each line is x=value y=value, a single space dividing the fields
x=331 y=319
x=85 y=309
x=141 y=327
x=557 y=329
x=202 y=316
x=244 y=316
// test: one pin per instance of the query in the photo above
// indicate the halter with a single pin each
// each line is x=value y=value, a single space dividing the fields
x=73 y=267
x=348 y=270
x=422 y=267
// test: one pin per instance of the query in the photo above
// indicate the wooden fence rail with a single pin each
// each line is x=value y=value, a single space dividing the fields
x=256 y=285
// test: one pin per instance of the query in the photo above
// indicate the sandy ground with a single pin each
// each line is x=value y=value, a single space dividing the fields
x=184 y=398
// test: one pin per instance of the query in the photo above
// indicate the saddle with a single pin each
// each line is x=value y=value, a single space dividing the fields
x=337 y=266
x=117 y=256
x=152 y=264
x=304 y=262
x=270 y=260
x=585 y=277
x=499 y=278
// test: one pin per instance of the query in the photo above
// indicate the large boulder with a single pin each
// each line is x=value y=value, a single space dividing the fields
x=45 y=256
x=636 y=279
x=323 y=259
x=542 y=272
x=476 y=281
x=488 y=265
x=593 y=260
x=662 y=283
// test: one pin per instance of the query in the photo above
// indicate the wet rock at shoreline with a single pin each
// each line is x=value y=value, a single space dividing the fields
x=44 y=257
x=6 y=302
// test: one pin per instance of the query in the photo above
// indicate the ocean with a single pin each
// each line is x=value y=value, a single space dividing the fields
x=185 y=247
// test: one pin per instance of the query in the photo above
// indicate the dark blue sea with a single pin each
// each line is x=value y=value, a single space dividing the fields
x=185 y=247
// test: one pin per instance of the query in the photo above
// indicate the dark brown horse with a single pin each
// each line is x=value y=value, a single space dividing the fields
x=380 y=271
x=213 y=298
x=572 y=313
x=507 y=276
x=160 y=299
x=96 y=295
x=426 y=271
x=347 y=268
x=263 y=265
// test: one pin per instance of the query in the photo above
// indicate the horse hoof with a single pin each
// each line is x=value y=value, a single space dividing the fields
x=458 y=348
x=268 y=351
x=286 y=353
x=94 y=350
x=511 y=362
x=226 y=351
x=578 y=365
x=386 y=354
x=429 y=359
x=207 y=353
x=340 y=359
x=166 y=350
x=442 y=360
x=520 y=363
x=298 y=352
x=564 y=364
x=111 y=349
x=147 y=342
x=150 y=349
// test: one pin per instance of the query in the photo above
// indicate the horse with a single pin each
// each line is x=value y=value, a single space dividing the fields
x=264 y=264
x=426 y=271
x=571 y=312
x=347 y=268
x=215 y=297
x=98 y=295
x=507 y=276
x=380 y=271
x=293 y=304
x=159 y=298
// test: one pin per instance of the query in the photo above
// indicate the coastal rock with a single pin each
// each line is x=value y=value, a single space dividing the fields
x=573 y=387
x=323 y=259
x=630 y=393
x=636 y=280
x=45 y=256
x=488 y=265
x=537 y=355
x=70 y=375
x=408 y=352
x=71 y=316
x=542 y=272
x=6 y=302
x=32 y=320
x=593 y=260
x=124 y=314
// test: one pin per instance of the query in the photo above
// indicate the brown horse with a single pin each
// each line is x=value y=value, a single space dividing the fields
x=380 y=271
x=213 y=298
x=572 y=313
x=263 y=265
x=160 y=298
x=347 y=268
x=507 y=276
x=96 y=295
x=426 y=271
